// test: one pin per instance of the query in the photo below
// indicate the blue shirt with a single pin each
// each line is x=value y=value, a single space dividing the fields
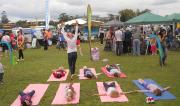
x=61 y=38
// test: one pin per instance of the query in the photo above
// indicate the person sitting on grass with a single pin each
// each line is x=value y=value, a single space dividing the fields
x=59 y=73
x=152 y=88
x=113 y=70
x=69 y=92
x=26 y=98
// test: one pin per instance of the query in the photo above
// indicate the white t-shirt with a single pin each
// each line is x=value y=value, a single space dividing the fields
x=71 y=43
x=113 y=71
x=6 y=38
x=118 y=35
x=110 y=89
x=152 y=87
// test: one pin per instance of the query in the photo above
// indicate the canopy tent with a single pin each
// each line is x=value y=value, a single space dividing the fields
x=113 y=23
x=80 y=21
x=148 y=18
x=174 y=17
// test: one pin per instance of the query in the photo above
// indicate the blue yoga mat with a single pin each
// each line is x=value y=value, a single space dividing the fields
x=165 y=95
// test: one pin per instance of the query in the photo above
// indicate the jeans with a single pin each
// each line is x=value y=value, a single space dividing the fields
x=165 y=53
x=106 y=85
x=1 y=76
x=21 y=55
x=72 y=61
x=45 y=44
x=136 y=47
x=101 y=38
x=127 y=46
x=29 y=94
x=119 y=48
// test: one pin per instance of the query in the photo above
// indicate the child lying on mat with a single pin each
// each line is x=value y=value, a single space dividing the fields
x=59 y=73
x=152 y=88
x=111 y=90
x=113 y=70
x=88 y=73
x=69 y=92
x=26 y=98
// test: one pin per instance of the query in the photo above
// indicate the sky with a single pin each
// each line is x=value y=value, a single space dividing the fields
x=35 y=9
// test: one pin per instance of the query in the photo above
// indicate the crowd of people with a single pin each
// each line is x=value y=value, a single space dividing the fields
x=136 y=40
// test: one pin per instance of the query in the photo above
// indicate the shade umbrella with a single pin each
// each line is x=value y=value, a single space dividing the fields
x=71 y=22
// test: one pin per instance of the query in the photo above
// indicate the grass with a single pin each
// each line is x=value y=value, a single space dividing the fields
x=38 y=65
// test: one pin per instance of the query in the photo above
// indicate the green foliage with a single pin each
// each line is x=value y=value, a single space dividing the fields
x=127 y=14
x=63 y=17
x=22 y=23
x=37 y=66
x=4 y=18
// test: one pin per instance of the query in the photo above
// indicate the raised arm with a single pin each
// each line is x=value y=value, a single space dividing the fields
x=76 y=31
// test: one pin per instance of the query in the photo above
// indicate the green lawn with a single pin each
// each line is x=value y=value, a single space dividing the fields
x=38 y=65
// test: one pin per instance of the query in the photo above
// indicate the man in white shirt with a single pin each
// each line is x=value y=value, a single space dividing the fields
x=119 y=42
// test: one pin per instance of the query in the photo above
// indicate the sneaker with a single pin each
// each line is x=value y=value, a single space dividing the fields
x=22 y=59
x=72 y=76
x=18 y=60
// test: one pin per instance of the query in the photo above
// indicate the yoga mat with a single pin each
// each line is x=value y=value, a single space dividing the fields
x=104 y=70
x=165 y=95
x=81 y=73
x=101 y=90
x=40 y=89
x=60 y=99
x=52 y=78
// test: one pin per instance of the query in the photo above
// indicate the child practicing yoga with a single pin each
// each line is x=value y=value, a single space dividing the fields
x=111 y=90
x=69 y=92
x=152 y=88
x=88 y=73
x=59 y=73
x=113 y=70
x=26 y=98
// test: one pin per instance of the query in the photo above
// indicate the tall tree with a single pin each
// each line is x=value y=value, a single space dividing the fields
x=138 y=12
x=111 y=16
x=127 y=14
x=4 y=18
x=63 y=17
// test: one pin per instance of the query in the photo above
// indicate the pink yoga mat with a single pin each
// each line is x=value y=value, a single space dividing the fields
x=40 y=89
x=104 y=70
x=60 y=95
x=101 y=90
x=81 y=73
x=52 y=78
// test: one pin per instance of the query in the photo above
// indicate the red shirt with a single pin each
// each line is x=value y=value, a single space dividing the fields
x=59 y=73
